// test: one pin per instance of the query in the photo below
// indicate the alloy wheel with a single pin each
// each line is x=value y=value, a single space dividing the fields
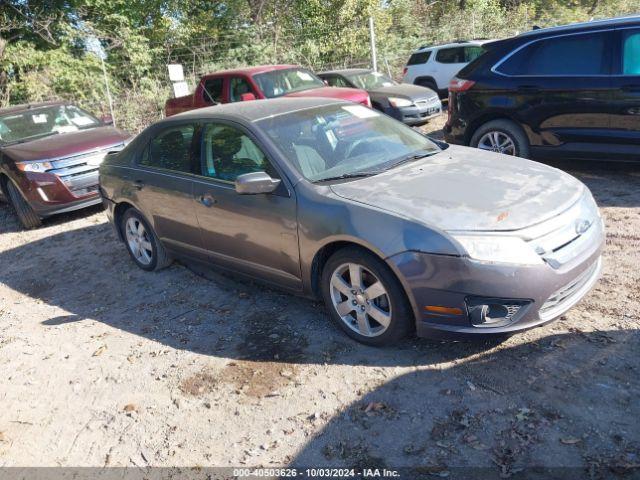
x=360 y=299
x=498 y=142
x=138 y=241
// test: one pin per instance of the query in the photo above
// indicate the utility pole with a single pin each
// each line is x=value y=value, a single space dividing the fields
x=106 y=84
x=372 y=40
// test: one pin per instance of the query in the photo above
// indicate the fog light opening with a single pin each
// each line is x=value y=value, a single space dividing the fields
x=490 y=313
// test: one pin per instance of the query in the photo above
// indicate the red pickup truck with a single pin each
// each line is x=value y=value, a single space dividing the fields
x=266 y=81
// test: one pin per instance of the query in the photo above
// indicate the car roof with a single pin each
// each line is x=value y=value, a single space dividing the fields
x=457 y=43
x=29 y=106
x=252 y=70
x=255 y=110
x=346 y=71
x=593 y=24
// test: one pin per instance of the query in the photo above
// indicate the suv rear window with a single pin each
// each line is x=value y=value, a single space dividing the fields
x=582 y=54
x=419 y=58
x=459 y=54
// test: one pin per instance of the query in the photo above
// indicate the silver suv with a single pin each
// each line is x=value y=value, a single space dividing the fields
x=434 y=66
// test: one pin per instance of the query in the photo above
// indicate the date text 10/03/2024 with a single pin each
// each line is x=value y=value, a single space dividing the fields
x=336 y=473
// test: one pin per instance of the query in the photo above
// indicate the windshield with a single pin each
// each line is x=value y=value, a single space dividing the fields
x=280 y=82
x=42 y=122
x=340 y=140
x=370 y=80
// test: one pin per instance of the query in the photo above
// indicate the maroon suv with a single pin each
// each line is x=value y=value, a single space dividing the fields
x=49 y=158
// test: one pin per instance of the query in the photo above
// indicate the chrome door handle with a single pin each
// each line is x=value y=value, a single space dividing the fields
x=206 y=200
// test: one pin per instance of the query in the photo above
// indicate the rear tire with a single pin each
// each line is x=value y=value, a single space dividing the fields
x=27 y=215
x=142 y=243
x=379 y=313
x=502 y=129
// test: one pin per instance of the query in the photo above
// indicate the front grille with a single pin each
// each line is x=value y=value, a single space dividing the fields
x=79 y=173
x=568 y=295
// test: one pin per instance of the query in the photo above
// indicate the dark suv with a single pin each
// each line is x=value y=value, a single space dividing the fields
x=562 y=92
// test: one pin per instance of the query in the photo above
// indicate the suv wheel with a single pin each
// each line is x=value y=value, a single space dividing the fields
x=365 y=299
x=142 y=242
x=501 y=136
x=27 y=215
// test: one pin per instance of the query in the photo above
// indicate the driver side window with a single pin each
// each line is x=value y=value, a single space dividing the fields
x=228 y=153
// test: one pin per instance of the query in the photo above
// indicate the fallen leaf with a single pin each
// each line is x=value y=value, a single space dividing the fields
x=130 y=407
x=570 y=440
x=99 y=351
x=1 y=436
x=374 y=407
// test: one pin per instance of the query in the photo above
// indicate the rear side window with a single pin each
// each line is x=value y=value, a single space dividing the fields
x=238 y=87
x=459 y=54
x=170 y=149
x=336 y=81
x=213 y=90
x=450 y=55
x=631 y=53
x=571 y=55
x=419 y=58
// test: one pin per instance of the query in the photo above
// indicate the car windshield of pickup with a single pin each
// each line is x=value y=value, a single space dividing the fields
x=340 y=141
x=280 y=82
x=42 y=122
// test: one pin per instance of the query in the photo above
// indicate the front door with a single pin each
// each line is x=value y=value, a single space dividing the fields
x=162 y=187
x=625 y=126
x=253 y=234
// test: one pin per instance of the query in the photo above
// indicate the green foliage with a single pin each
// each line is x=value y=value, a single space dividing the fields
x=43 y=54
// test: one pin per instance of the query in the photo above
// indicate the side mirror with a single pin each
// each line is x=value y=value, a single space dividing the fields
x=255 y=183
x=246 y=97
x=107 y=119
x=326 y=82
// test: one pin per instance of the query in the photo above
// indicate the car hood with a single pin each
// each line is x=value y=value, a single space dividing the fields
x=468 y=189
x=350 y=94
x=404 y=90
x=65 y=144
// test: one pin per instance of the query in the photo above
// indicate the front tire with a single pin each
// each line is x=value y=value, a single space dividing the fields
x=142 y=243
x=365 y=299
x=501 y=136
x=27 y=215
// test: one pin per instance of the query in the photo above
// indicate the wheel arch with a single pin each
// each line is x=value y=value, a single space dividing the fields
x=478 y=122
x=118 y=212
x=425 y=79
x=329 y=248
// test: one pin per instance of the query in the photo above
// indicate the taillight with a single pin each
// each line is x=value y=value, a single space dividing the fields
x=460 y=85
x=404 y=71
x=367 y=102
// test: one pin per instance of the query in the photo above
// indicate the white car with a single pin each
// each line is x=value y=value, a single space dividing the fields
x=434 y=66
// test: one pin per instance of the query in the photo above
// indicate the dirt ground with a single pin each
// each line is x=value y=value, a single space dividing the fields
x=103 y=364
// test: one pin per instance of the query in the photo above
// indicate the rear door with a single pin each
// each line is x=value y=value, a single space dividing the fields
x=253 y=234
x=625 y=128
x=162 y=187
x=560 y=87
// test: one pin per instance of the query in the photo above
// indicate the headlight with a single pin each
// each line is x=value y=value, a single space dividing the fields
x=34 y=166
x=499 y=249
x=400 y=102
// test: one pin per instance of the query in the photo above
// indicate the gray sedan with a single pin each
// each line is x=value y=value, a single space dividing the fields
x=397 y=233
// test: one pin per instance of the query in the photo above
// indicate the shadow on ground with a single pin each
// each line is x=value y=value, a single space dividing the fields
x=87 y=273
x=572 y=404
